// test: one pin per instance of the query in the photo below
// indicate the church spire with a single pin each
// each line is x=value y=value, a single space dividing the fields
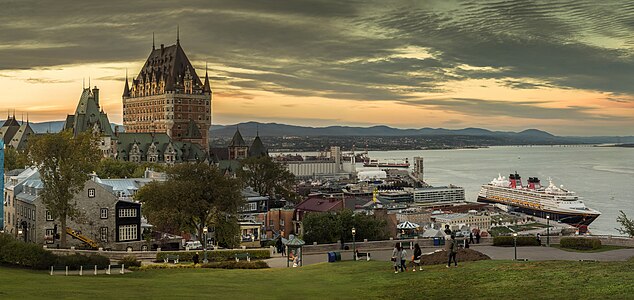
x=178 y=40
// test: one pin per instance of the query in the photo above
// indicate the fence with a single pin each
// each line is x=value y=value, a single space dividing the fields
x=87 y=270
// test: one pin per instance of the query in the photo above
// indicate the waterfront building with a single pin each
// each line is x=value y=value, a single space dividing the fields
x=458 y=221
x=327 y=166
x=438 y=195
x=167 y=96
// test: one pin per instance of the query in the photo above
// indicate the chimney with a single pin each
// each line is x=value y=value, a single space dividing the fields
x=95 y=92
x=162 y=48
x=116 y=130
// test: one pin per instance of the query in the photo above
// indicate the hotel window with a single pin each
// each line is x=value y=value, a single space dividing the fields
x=91 y=193
x=127 y=212
x=252 y=206
x=103 y=234
x=49 y=216
x=104 y=213
x=127 y=232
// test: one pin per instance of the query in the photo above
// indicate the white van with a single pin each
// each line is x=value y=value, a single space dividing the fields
x=194 y=245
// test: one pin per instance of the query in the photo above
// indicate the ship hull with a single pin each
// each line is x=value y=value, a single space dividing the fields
x=574 y=219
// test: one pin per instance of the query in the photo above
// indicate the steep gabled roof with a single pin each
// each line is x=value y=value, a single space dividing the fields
x=21 y=136
x=88 y=114
x=169 y=63
x=9 y=129
x=237 y=140
x=257 y=148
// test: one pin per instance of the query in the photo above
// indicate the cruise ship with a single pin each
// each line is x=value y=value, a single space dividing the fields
x=533 y=199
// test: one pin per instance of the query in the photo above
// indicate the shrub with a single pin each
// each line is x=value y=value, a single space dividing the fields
x=76 y=260
x=258 y=264
x=16 y=252
x=580 y=243
x=521 y=241
x=216 y=255
x=130 y=261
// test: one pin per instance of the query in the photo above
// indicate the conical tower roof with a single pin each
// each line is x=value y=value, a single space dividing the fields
x=237 y=140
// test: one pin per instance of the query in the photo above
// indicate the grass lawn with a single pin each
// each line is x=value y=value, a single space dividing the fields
x=344 y=280
x=602 y=249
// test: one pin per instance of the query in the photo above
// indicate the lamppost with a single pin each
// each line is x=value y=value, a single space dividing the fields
x=354 y=248
x=515 y=243
x=205 y=229
x=548 y=230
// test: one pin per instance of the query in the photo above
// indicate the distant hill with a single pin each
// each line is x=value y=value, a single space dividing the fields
x=281 y=130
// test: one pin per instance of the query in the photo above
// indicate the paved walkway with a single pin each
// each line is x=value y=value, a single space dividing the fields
x=496 y=253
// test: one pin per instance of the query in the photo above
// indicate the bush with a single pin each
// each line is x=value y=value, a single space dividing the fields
x=130 y=261
x=217 y=255
x=258 y=264
x=521 y=241
x=580 y=243
x=16 y=252
x=76 y=260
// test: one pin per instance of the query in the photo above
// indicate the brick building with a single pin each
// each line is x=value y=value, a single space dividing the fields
x=167 y=96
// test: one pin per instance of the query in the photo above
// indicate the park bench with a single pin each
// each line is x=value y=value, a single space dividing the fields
x=363 y=254
x=173 y=258
x=239 y=256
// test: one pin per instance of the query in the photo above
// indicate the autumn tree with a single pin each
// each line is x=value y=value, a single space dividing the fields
x=268 y=177
x=195 y=195
x=64 y=163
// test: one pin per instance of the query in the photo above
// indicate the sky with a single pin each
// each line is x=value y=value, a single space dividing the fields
x=566 y=67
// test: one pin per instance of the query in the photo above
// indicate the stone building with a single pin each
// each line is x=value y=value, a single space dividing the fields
x=105 y=220
x=458 y=221
x=167 y=96
x=126 y=146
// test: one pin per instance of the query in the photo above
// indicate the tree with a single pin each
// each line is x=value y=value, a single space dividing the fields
x=330 y=227
x=195 y=195
x=627 y=225
x=111 y=168
x=64 y=163
x=14 y=159
x=268 y=177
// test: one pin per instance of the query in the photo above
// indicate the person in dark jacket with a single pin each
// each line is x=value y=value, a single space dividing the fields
x=478 y=237
x=447 y=230
x=470 y=237
x=195 y=258
x=452 y=251
x=279 y=245
x=417 y=256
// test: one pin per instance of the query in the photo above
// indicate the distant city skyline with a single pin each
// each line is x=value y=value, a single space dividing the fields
x=566 y=68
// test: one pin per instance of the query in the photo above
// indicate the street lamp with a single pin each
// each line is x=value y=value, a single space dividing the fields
x=354 y=248
x=205 y=244
x=548 y=230
x=515 y=243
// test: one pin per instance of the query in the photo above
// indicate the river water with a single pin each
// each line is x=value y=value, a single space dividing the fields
x=602 y=176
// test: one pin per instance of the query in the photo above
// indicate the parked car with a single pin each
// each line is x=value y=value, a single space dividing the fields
x=194 y=245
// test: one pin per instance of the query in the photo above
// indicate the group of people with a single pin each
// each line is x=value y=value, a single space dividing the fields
x=399 y=258
x=399 y=254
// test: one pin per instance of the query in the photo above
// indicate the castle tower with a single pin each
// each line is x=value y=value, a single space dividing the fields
x=167 y=96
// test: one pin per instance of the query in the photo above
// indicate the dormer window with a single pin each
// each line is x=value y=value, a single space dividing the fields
x=91 y=193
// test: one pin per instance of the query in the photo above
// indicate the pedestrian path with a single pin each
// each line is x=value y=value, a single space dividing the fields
x=497 y=253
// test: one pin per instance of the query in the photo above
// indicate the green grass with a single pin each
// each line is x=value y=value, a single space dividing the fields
x=344 y=280
x=602 y=249
x=530 y=226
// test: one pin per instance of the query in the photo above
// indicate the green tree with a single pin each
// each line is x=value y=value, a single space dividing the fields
x=268 y=177
x=193 y=197
x=64 y=163
x=14 y=159
x=330 y=227
x=627 y=225
x=111 y=168
x=227 y=231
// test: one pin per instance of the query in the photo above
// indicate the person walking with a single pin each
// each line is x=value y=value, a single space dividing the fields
x=416 y=258
x=452 y=251
x=195 y=258
x=403 y=260
x=478 y=237
x=539 y=239
x=396 y=257
x=470 y=237
x=447 y=230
